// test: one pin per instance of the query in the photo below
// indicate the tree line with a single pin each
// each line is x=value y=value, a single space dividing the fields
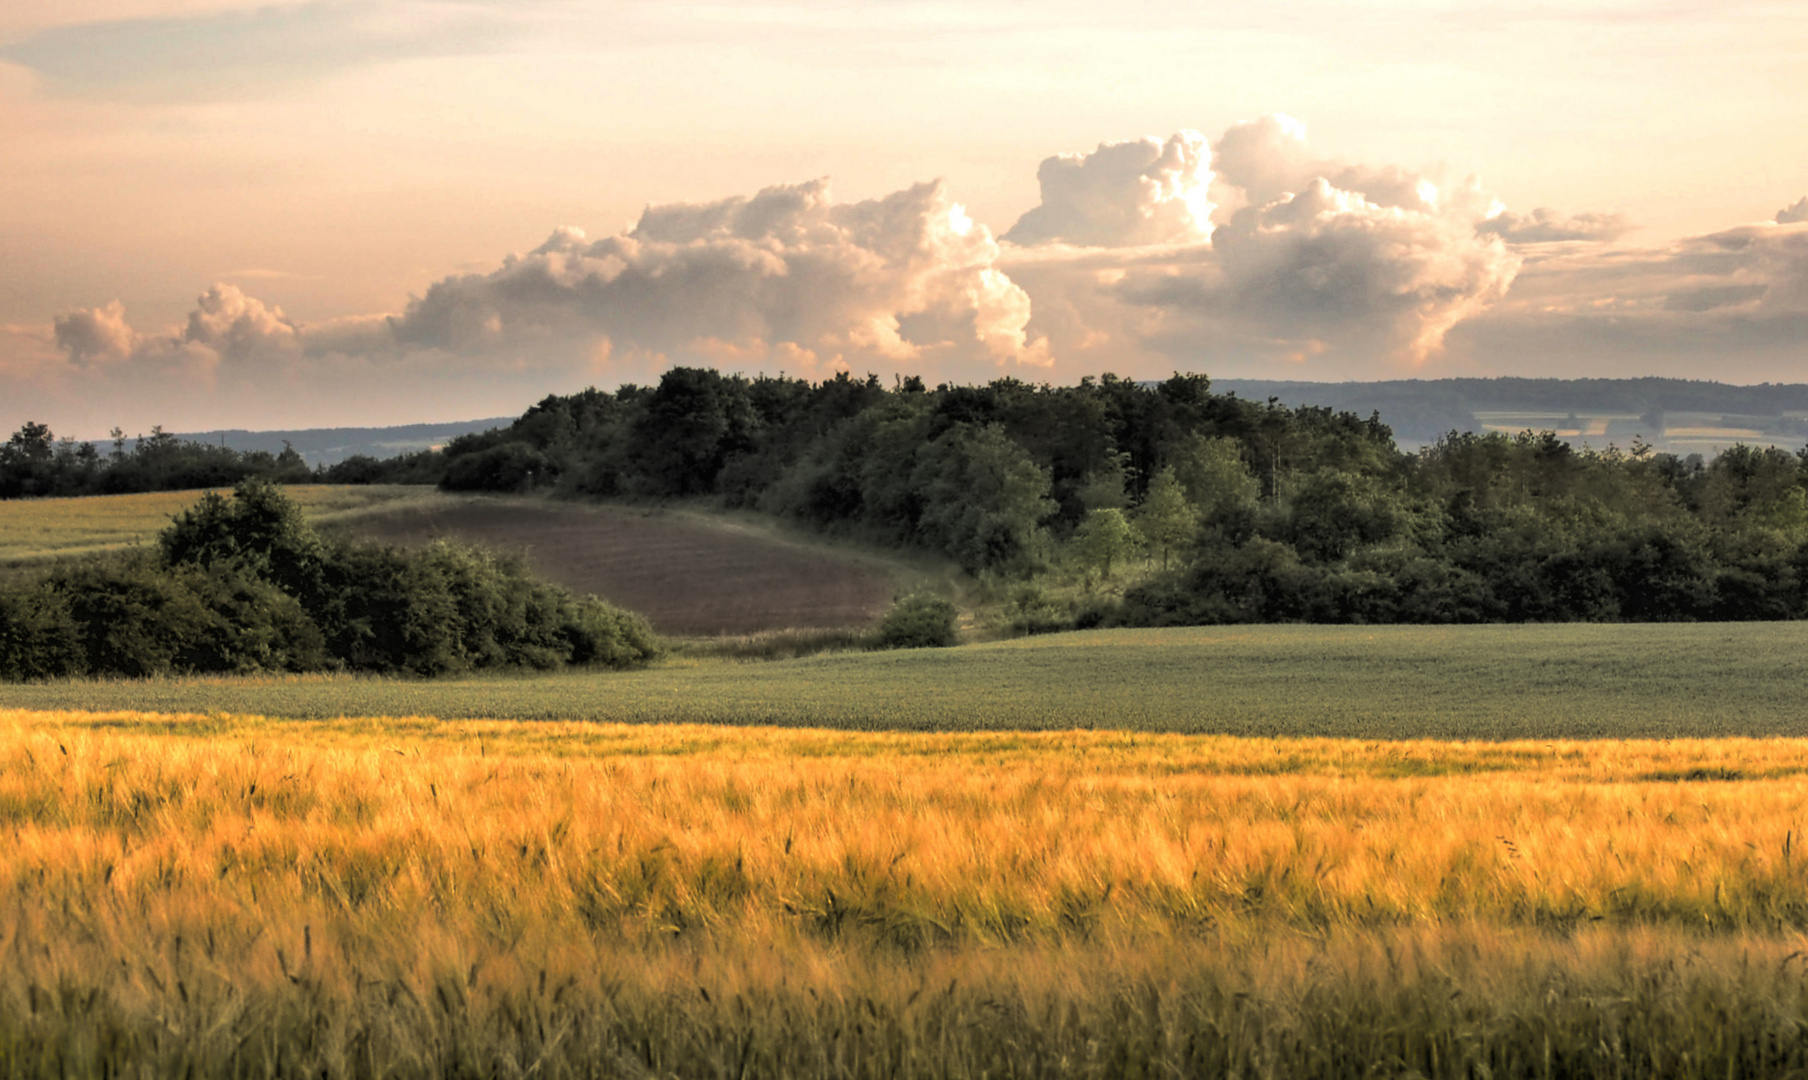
x=1230 y=510
x=1237 y=510
x=34 y=463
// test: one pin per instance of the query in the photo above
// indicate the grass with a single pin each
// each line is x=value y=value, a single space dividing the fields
x=1482 y=682
x=33 y=530
x=214 y=895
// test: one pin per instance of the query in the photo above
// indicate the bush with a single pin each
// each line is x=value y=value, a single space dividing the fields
x=918 y=621
x=1034 y=611
x=39 y=639
x=245 y=584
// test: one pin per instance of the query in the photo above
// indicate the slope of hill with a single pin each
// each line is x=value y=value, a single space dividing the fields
x=689 y=574
x=1681 y=416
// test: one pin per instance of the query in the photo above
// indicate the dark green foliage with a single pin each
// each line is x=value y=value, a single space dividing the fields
x=259 y=528
x=39 y=638
x=244 y=584
x=420 y=467
x=919 y=621
x=135 y=616
x=449 y=609
x=983 y=497
x=687 y=430
x=511 y=466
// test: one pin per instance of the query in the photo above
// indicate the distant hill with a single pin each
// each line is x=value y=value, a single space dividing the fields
x=328 y=446
x=1682 y=416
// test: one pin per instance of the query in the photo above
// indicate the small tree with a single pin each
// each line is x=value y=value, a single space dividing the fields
x=1104 y=538
x=1166 y=519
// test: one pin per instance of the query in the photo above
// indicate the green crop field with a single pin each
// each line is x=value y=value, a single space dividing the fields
x=1492 y=682
x=36 y=529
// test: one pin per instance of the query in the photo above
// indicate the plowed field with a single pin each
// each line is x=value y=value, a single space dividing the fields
x=689 y=576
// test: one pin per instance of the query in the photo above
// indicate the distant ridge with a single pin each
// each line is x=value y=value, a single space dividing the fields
x=1679 y=415
x=329 y=446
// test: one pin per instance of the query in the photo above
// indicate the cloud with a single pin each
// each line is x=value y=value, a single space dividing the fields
x=93 y=334
x=1145 y=191
x=1350 y=263
x=1329 y=268
x=783 y=279
x=784 y=275
x=225 y=326
x=239 y=327
x=231 y=52
x=1797 y=212
x=1268 y=159
x=1544 y=225
x=1346 y=269
x=1736 y=298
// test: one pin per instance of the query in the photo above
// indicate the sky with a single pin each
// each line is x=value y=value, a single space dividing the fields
x=221 y=213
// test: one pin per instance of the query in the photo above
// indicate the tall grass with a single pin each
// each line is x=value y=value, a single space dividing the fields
x=231 y=896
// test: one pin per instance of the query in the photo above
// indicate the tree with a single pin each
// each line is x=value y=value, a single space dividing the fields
x=259 y=527
x=1166 y=519
x=693 y=422
x=1104 y=538
x=1212 y=473
x=984 y=499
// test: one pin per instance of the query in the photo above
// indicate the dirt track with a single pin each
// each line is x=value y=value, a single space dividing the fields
x=688 y=577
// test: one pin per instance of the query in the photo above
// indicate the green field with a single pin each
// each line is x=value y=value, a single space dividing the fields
x=35 y=529
x=1492 y=682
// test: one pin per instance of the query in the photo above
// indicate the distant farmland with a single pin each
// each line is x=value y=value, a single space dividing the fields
x=688 y=575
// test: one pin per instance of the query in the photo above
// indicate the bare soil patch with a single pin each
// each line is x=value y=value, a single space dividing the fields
x=689 y=576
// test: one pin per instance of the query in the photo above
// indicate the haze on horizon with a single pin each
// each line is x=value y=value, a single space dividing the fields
x=225 y=213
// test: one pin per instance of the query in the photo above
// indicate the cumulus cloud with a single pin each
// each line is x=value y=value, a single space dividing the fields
x=1794 y=213
x=1329 y=267
x=783 y=279
x=785 y=275
x=92 y=334
x=1310 y=257
x=1544 y=226
x=1268 y=159
x=225 y=325
x=1145 y=191
x=239 y=327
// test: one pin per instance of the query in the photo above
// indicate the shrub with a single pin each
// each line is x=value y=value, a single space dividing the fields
x=918 y=621
x=245 y=584
x=1034 y=611
x=39 y=639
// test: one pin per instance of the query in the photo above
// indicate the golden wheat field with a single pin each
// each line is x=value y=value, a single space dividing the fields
x=218 y=895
